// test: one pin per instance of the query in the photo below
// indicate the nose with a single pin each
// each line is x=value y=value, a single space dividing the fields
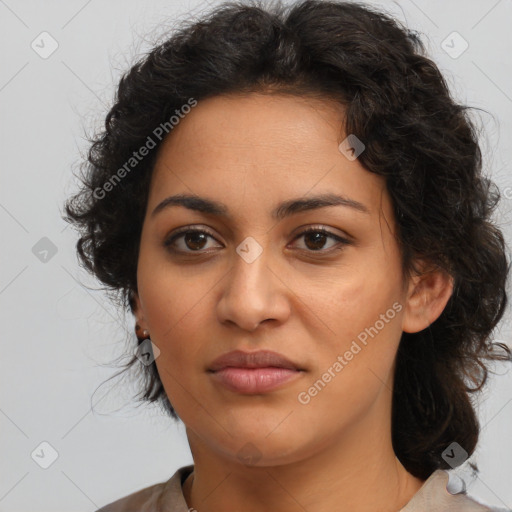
x=253 y=293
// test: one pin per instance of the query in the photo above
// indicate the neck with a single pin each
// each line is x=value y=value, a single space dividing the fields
x=357 y=473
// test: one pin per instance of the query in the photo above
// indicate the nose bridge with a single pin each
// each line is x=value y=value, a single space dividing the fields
x=252 y=292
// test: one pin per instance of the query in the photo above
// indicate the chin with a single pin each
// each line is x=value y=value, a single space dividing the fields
x=264 y=448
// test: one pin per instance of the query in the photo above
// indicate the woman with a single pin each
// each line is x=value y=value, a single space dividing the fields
x=292 y=206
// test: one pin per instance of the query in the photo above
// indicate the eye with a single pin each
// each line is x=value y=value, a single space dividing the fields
x=316 y=237
x=194 y=239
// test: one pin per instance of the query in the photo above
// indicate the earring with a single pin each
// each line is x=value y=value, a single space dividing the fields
x=141 y=336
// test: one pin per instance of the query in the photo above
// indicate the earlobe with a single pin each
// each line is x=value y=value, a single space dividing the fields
x=427 y=297
x=138 y=312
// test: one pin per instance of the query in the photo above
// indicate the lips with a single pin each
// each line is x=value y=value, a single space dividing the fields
x=253 y=372
x=259 y=359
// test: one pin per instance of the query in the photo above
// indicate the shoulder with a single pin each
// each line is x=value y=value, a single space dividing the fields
x=166 y=496
x=144 y=500
x=434 y=495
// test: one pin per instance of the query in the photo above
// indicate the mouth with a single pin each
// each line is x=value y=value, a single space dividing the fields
x=254 y=380
x=253 y=372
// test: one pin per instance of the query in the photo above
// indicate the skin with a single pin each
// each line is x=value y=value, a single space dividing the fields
x=252 y=152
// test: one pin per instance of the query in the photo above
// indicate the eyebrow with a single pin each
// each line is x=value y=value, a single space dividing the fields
x=282 y=210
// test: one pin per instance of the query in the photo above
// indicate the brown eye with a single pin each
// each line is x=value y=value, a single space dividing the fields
x=316 y=238
x=195 y=241
x=191 y=240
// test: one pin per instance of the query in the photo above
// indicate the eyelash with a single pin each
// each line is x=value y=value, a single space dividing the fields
x=343 y=241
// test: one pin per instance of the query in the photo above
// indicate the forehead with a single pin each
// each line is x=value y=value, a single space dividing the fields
x=266 y=147
x=244 y=123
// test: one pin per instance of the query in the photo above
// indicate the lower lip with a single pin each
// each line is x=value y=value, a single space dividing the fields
x=254 y=380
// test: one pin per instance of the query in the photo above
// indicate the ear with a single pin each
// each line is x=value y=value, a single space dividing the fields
x=427 y=296
x=138 y=313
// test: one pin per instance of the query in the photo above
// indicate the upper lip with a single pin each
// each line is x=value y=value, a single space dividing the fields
x=259 y=359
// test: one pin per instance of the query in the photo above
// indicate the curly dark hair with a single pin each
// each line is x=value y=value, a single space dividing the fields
x=416 y=135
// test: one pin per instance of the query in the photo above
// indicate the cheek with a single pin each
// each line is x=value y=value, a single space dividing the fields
x=176 y=316
x=173 y=306
x=170 y=294
x=357 y=302
x=363 y=312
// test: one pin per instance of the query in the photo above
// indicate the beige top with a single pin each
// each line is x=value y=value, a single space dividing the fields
x=168 y=497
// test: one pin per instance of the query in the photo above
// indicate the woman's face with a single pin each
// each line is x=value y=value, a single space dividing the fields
x=254 y=282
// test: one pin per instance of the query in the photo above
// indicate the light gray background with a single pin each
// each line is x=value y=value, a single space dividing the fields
x=58 y=337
